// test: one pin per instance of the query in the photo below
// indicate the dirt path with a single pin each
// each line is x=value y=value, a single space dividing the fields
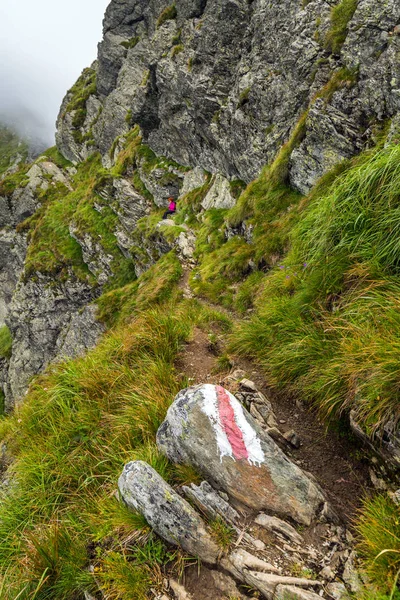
x=332 y=458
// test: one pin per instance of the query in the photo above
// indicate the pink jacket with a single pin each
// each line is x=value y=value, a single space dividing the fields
x=172 y=205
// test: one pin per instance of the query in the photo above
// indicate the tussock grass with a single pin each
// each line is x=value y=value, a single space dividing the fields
x=328 y=316
x=341 y=15
x=167 y=14
x=379 y=527
x=5 y=342
x=327 y=320
x=78 y=426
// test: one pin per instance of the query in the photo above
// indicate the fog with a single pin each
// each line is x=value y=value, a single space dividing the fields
x=44 y=45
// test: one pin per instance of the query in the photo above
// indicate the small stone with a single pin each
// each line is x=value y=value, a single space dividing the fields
x=254 y=413
x=350 y=575
x=241 y=559
x=278 y=526
x=337 y=591
x=275 y=434
x=395 y=496
x=349 y=537
x=378 y=483
x=179 y=591
x=293 y=439
x=290 y=592
x=258 y=544
x=248 y=385
x=237 y=374
x=327 y=573
x=282 y=421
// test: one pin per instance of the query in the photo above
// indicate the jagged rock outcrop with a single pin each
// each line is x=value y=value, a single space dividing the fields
x=208 y=428
x=12 y=256
x=43 y=316
x=48 y=317
x=222 y=84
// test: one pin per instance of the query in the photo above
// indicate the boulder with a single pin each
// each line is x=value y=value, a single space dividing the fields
x=145 y=491
x=219 y=195
x=209 y=429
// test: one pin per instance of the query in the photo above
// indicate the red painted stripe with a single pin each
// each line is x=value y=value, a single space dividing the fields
x=229 y=425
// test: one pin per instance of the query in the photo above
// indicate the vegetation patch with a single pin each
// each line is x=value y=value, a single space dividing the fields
x=379 y=528
x=341 y=15
x=5 y=342
x=321 y=329
x=78 y=426
x=131 y=43
x=167 y=14
x=80 y=92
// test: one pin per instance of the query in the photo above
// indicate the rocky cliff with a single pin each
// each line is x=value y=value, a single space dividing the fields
x=223 y=84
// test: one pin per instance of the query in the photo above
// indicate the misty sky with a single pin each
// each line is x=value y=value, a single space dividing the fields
x=44 y=45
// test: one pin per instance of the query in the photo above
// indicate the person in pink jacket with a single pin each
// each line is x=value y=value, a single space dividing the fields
x=171 y=208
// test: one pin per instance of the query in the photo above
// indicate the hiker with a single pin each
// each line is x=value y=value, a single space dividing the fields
x=171 y=208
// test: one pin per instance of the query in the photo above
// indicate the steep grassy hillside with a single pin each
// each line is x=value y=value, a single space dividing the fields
x=321 y=278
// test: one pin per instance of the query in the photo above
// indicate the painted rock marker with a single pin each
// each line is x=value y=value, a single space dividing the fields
x=234 y=435
x=208 y=428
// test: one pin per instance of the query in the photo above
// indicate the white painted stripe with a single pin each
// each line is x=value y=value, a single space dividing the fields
x=251 y=441
x=210 y=408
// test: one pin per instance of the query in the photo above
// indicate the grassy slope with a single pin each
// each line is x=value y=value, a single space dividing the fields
x=324 y=284
x=78 y=426
x=322 y=275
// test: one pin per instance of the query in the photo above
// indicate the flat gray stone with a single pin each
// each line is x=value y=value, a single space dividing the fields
x=145 y=491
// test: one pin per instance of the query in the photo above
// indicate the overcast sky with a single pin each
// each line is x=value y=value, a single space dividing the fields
x=44 y=45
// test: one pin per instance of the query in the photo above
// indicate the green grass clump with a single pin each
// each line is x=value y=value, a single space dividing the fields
x=57 y=158
x=154 y=286
x=131 y=43
x=177 y=50
x=5 y=342
x=341 y=15
x=17 y=179
x=223 y=533
x=328 y=316
x=167 y=14
x=80 y=92
x=379 y=528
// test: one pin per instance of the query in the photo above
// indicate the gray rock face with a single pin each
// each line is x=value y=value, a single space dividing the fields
x=143 y=490
x=219 y=195
x=43 y=318
x=222 y=85
x=209 y=429
x=12 y=256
